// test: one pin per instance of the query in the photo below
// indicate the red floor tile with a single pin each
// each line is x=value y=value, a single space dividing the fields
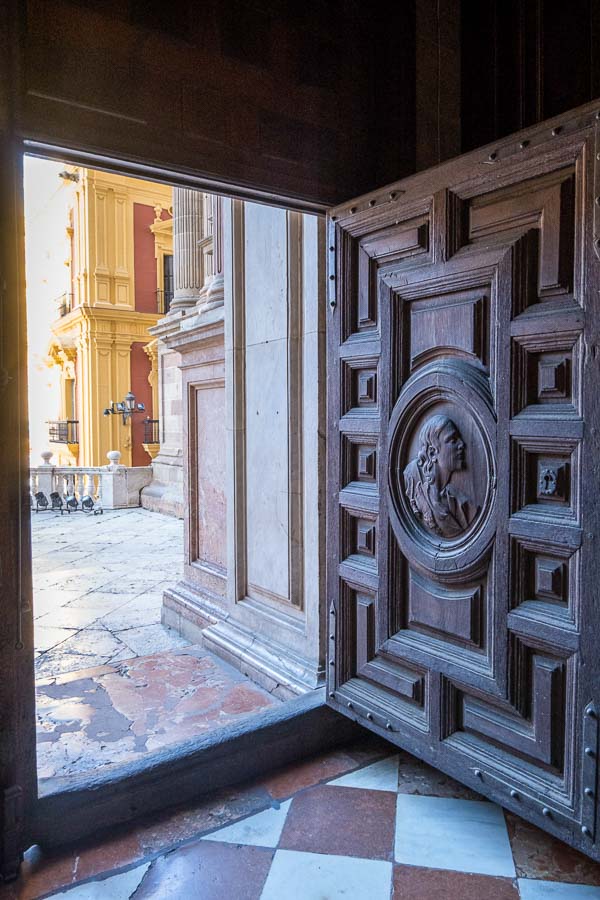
x=44 y=872
x=289 y=780
x=208 y=870
x=539 y=855
x=415 y=883
x=342 y=821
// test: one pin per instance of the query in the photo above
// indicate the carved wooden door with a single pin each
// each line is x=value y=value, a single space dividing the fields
x=464 y=470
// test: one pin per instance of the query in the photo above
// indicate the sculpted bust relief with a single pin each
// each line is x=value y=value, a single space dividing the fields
x=435 y=501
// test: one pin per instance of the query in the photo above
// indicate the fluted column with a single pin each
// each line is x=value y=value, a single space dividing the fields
x=187 y=264
x=216 y=290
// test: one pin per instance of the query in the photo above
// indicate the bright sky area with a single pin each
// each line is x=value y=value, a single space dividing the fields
x=47 y=198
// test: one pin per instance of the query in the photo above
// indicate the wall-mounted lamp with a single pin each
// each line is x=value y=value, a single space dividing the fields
x=126 y=407
x=68 y=176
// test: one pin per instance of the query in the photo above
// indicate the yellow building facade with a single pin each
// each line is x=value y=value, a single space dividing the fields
x=120 y=262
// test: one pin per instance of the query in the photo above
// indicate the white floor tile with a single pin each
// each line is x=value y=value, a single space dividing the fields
x=462 y=835
x=379 y=776
x=313 y=876
x=151 y=639
x=118 y=887
x=261 y=830
x=530 y=889
x=47 y=637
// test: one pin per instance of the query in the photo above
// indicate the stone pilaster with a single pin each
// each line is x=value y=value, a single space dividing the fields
x=187 y=261
x=216 y=290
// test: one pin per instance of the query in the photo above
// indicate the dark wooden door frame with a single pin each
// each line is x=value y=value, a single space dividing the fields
x=161 y=779
x=25 y=818
x=502 y=694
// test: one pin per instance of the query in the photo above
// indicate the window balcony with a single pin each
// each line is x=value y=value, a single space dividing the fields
x=63 y=431
x=151 y=431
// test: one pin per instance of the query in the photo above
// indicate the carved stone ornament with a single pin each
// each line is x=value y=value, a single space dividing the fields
x=442 y=507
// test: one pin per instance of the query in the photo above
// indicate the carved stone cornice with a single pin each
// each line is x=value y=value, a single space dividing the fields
x=199 y=332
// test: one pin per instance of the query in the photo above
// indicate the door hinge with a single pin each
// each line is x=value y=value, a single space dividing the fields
x=331 y=268
x=11 y=824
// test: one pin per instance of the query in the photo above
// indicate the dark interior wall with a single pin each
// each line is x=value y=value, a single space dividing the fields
x=524 y=61
x=318 y=101
x=293 y=98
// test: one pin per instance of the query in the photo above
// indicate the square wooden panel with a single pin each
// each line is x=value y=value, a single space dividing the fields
x=433 y=320
x=359 y=386
x=359 y=537
x=550 y=579
x=451 y=614
x=544 y=477
x=543 y=575
x=545 y=205
x=552 y=381
x=545 y=374
x=359 y=462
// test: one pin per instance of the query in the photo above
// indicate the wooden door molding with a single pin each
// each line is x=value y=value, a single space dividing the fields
x=18 y=785
x=464 y=435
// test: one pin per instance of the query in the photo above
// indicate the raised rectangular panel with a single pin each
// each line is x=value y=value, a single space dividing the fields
x=455 y=613
x=546 y=203
x=365 y=389
x=365 y=537
x=102 y=260
x=544 y=476
x=543 y=573
x=366 y=460
x=359 y=462
x=359 y=537
x=207 y=440
x=553 y=378
x=550 y=579
x=122 y=240
x=391 y=244
x=437 y=327
x=359 y=386
x=122 y=294
x=102 y=291
x=546 y=376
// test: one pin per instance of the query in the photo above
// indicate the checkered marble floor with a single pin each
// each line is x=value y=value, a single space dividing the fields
x=391 y=829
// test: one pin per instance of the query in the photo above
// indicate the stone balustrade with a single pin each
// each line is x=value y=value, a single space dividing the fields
x=110 y=487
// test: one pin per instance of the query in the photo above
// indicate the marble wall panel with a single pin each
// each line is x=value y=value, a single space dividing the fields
x=267 y=489
x=266 y=273
x=210 y=446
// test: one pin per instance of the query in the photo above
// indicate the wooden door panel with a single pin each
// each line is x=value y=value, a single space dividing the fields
x=464 y=437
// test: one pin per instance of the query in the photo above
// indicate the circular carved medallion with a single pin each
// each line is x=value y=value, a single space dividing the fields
x=442 y=472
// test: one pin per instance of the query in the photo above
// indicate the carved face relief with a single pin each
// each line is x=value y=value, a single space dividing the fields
x=436 y=502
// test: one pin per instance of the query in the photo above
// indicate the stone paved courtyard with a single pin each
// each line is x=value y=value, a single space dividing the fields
x=112 y=683
x=98 y=584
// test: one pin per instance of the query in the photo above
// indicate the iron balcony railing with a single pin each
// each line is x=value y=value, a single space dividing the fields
x=151 y=435
x=64 y=431
x=163 y=301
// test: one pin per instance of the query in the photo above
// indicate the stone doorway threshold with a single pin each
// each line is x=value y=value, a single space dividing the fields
x=111 y=715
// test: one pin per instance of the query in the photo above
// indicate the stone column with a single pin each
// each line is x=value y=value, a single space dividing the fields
x=187 y=265
x=216 y=290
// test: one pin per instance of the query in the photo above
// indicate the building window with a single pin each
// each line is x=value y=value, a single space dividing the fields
x=167 y=281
